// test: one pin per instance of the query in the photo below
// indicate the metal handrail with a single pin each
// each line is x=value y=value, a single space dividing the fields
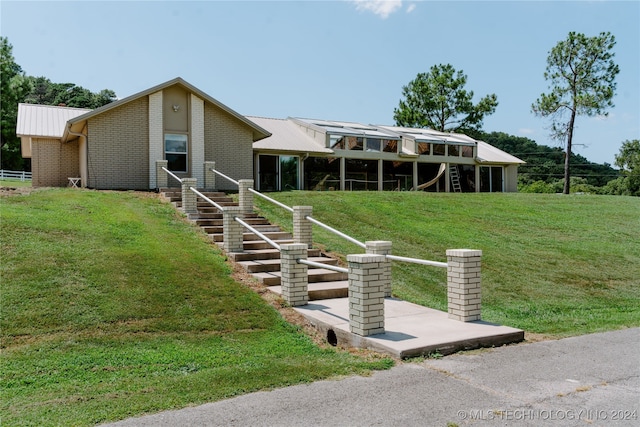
x=333 y=230
x=224 y=176
x=208 y=200
x=321 y=265
x=275 y=202
x=257 y=233
x=418 y=261
x=171 y=174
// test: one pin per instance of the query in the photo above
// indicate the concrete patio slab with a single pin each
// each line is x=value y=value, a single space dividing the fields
x=410 y=329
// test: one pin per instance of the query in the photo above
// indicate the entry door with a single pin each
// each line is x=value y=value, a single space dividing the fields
x=278 y=173
x=268 y=173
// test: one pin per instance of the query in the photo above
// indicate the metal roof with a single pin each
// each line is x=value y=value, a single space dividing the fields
x=45 y=120
x=487 y=153
x=286 y=136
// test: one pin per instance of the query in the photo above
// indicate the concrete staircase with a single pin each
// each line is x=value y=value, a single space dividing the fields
x=259 y=258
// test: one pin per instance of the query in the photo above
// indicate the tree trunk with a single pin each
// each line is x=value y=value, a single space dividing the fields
x=567 y=171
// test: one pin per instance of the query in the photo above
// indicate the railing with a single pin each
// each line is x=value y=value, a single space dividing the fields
x=321 y=265
x=205 y=198
x=171 y=174
x=330 y=229
x=257 y=233
x=21 y=175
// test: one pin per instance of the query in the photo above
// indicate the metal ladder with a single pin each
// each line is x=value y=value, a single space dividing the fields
x=455 y=179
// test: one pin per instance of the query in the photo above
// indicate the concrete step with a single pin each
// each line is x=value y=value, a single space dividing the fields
x=272 y=232
x=219 y=221
x=322 y=290
x=271 y=265
x=315 y=275
x=261 y=244
x=263 y=254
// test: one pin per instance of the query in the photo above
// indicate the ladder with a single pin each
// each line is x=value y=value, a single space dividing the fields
x=455 y=179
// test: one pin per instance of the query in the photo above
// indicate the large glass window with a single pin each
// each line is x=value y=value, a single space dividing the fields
x=438 y=149
x=288 y=173
x=491 y=179
x=390 y=145
x=423 y=148
x=175 y=151
x=361 y=175
x=355 y=143
x=374 y=144
x=321 y=173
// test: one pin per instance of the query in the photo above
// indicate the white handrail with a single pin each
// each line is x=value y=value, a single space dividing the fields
x=171 y=174
x=257 y=233
x=224 y=176
x=333 y=230
x=418 y=261
x=275 y=202
x=321 y=265
x=208 y=200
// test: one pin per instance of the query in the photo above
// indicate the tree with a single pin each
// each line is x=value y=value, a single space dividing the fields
x=438 y=100
x=47 y=93
x=582 y=75
x=629 y=161
x=13 y=86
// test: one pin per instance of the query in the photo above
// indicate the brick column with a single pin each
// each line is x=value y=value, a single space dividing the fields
x=302 y=228
x=463 y=284
x=189 y=198
x=209 y=177
x=232 y=230
x=295 y=282
x=162 y=179
x=381 y=247
x=245 y=197
x=366 y=294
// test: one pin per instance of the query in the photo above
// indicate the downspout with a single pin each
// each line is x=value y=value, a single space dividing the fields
x=83 y=170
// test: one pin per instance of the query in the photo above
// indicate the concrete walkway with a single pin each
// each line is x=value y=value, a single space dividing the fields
x=591 y=380
x=410 y=329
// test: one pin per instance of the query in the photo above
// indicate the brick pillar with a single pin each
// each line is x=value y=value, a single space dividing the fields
x=302 y=228
x=366 y=294
x=209 y=177
x=381 y=247
x=232 y=230
x=295 y=281
x=245 y=197
x=463 y=284
x=189 y=198
x=162 y=179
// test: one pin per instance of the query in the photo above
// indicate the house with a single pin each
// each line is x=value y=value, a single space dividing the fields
x=118 y=145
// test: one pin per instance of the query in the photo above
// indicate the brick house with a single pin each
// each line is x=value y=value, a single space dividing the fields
x=117 y=147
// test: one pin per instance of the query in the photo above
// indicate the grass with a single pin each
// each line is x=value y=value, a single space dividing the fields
x=113 y=306
x=6 y=182
x=552 y=264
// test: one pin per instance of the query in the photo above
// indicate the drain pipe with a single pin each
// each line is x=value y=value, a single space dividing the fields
x=84 y=171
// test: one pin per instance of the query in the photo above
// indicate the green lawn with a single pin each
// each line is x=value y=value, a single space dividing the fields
x=113 y=306
x=552 y=264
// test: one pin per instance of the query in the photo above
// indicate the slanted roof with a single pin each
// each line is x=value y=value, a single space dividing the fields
x=487 y=153
x=430 y=135
x=348 y=128
x=286 y=136
x=77 y=123
x=45 y=120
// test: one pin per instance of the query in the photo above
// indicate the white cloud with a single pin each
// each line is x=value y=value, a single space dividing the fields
x=411 y=7
x=382 y=8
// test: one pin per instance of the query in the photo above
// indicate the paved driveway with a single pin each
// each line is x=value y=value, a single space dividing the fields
x=590 y=380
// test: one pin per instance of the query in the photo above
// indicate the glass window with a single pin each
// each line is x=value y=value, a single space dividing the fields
x=288 y=173
x=390 y=145
x=454 y=150
x=373 y=144
x=467 y=151
x=355 y=142
x=438 y=149
x=336 y=142
x=175 y=151
x=424 y=148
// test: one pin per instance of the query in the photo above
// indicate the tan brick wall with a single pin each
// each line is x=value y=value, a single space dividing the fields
x=229 y=143
x=53 y=162
x=119 y=147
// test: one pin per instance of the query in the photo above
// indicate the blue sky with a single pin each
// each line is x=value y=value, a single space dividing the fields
x=336 y=60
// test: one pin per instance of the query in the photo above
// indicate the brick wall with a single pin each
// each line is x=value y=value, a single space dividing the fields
x=229 y=143
x=53 y=162
x=119 y=147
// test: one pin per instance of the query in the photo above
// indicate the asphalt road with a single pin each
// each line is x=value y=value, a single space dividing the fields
x=590 y=380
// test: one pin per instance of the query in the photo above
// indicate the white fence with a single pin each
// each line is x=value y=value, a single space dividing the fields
x=21 y=175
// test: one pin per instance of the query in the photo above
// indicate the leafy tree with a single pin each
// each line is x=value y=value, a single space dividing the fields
x=582 y=75
x=629 y=161
x=438 y=100
x=47 y=93
x=13 y=86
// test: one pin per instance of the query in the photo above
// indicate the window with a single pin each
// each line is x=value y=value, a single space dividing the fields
x=438 y=149
x=175 y=151
x=373 y=144
x=423 y=148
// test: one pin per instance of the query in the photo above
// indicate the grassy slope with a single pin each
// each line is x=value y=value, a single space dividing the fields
x=552 y=264
x=113 y=306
